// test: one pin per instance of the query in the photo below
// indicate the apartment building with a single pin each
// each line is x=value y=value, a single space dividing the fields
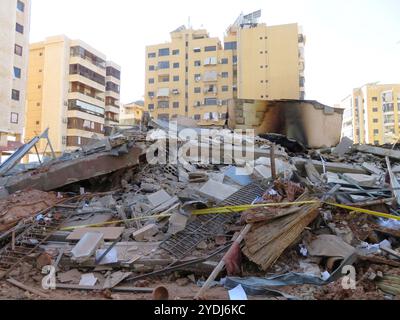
x=14 y=51
x=194 y=75
x=112 y=107
x=372 y=114
x=131 y=114
x=72 y=90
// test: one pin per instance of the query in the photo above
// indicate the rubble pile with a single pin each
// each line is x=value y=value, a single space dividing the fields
x=285 y=223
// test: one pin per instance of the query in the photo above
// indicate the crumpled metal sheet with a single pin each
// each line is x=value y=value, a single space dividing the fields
x=266 y=286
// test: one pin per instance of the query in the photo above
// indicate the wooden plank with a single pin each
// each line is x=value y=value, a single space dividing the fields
x=110 y=233
x=27 y=288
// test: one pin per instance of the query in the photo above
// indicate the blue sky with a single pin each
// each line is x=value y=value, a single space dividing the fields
x=349 y=42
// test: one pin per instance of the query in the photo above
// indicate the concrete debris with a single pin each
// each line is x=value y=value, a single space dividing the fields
x=87 y=246
x=109 y=220
x=217 y=191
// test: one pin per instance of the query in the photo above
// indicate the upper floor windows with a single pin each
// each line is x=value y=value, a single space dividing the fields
x=210 y=48
x=19 y=28
x=20 y=6
x=151 y=55
x=230 y=45
x=163 y=52
x=175 y=52
x=18 y=50
x=113 y=72
x=163 y=65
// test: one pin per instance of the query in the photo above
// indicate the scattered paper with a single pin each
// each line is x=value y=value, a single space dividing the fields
x=238 y=293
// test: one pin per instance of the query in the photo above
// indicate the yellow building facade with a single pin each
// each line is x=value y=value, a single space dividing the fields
x=372 y=114
x=14 y=52
x=195 y=75
x=131 y=114
x=72 y=90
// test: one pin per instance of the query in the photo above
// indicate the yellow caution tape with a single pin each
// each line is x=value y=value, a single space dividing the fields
x=241 y=208
x=366 y=211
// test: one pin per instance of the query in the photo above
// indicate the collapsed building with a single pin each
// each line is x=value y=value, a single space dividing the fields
x=183 y=212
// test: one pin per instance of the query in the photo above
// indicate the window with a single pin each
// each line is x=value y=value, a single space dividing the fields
x=85 y=107
x=40 y=54
x=110 y=71
x=19 y=28
x=234 y=60
x=176 y=65
x=175 y=105
x=374 y=109
x=210 y=48
x=37 y=104
x=197 y=63
x=14 y=117
x=376 y=120
x=197 y=90
x=388 y=107
x=17 y=72
x=196 y=50
x=210 y=101
x=39 y=86
x=176 y=78
x=375 y=99
x=151 y=106
x=211 y=61
x=87 y=73
x=224 y=74
x=151 y=68
x=37 y=123
x=20 y=6
x=151 y=94
x=151 y=55
x=151 y=80
x=376 y=132
x=18 y=50
x=163 y=104
x=376 y=142
x=79 y=141
x=163 y=52
x=197 y=117
x=225 y=88
x=175 y=52
x=197 y=77
x=230 y=45
x=163 y=65
x=224 y=61
x=163 y=79
x=15 y=95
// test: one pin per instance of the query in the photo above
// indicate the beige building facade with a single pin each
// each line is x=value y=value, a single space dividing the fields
x=72 y=90
x=14 y=52
x=195 y=75
x=372 y=114
x=131 y=114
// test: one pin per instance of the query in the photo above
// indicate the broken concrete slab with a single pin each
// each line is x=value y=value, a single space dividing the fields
x=217 y=191
x=177 y=223
x=109 y=233
x=330 y=166
x=327 y=245
x=145 y=232
x=361 y=179
x=158 y=198
x=115 y=278
x=372 y=168
x=263 y=172
x=343 y=147
x=87 y=246
x=395 y=154
x=72 y=275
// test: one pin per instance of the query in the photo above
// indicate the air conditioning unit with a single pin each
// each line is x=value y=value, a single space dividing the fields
x=197 y=104
x=220 y=103
x=175 y=91
x=197 y=79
